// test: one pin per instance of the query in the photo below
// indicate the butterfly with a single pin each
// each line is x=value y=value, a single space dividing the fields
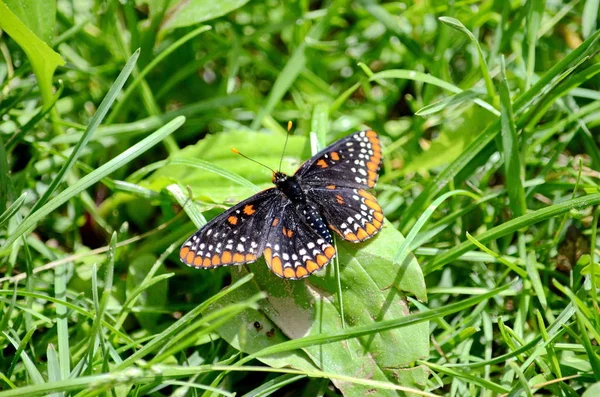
x=291 y=224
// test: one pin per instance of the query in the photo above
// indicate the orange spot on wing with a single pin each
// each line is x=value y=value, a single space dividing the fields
x=267 y=254
x=237 y=257
x=233 y=220
x=350 y=237
x=370 y=228
x=371 y=134
x=372 y=175
x=372 y=166
x=288 y=272
x=183 y=252
x=276 y=266
x=275 y=222
x=329 y=252
x=249 y=209
x=226 y=257
x=361 y=234
x=335 y=229
x=312 y=266
x=321 y=163
x=339 y=199
x=287 y=232
x=378 y=216
x=198 y=261
x=366 y=194
x=190 y=257
x=373 y=205
x=206 y=262
x=250 y=257
x=322 y=260
x=330 y=187
x=301 y=272
x=335 y=156
x=216 y=260
x=377 y=224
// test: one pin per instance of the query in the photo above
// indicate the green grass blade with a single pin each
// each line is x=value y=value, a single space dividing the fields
x=14 y=207
x=513 y=170
x=457 y=25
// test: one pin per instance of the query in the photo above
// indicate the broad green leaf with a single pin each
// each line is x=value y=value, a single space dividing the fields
x=44 y=60
x=38 y=16
x=374 y=289
x=192 y=12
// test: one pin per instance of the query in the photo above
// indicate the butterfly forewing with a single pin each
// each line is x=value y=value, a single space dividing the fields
x=353 y=161
x=294 y=250
x=236 y=236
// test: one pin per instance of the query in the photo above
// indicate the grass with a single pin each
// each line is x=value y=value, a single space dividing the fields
x=117 y=124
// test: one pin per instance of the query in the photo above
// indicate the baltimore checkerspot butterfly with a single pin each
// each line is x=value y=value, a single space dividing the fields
x=291 y=223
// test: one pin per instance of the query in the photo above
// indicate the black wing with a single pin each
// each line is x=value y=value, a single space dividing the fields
x=352 y=161
x=352 y=213
x=294 y=249
x=234 y=237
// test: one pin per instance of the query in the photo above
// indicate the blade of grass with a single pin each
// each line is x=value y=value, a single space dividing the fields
x=54 y=368
x=512 y=266
x=14 y=207
x=427 y=78
x=513 y=170
x=32 y=370
x=590 y=17
x=487 y=385
x=457 y=25
x=62 y=321
x=88 y=180
x=534 y=20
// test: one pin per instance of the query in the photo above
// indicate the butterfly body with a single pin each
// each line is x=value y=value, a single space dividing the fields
x=291 y=223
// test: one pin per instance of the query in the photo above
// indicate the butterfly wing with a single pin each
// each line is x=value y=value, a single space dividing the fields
x=353 y=213
x=352 y=161
x=294 y=249
x=234 y=237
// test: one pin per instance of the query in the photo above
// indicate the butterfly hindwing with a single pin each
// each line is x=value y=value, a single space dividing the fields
x=294 y=250
x=353 y=213
x=353 y=161
x=234 y=237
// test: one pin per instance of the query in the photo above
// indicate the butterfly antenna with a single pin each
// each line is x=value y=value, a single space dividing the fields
x=289 y=127
x=234 y=150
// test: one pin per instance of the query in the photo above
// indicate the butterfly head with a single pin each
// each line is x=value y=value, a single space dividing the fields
x=279 y=178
